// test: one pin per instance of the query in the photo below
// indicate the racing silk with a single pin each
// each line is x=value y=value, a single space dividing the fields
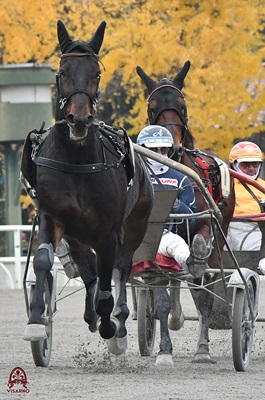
x=172 y=179
x=245 y=203
x=185 y=201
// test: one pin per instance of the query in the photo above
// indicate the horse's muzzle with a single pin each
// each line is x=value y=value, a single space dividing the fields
x=178 y=152
x=79 y=125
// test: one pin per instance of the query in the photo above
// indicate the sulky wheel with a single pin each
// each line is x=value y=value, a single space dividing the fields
x=146 y=321
x=242 y=329
x=41 y=349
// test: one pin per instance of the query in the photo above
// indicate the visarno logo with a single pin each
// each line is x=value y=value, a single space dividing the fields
x=17 y=382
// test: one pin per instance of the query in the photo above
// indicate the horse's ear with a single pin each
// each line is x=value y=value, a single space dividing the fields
x=179 y=78
x=63 y=37
x=96 y=40
x=149 y=83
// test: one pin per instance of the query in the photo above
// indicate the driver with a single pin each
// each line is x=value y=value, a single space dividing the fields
x=246 y=158
x=160 y=140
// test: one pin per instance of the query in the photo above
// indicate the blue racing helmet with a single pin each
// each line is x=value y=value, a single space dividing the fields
x=155 y=136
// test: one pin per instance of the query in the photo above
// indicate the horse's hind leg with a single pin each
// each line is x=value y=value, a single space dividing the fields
x=42 y=264
x=176 y=317
x=162 y=308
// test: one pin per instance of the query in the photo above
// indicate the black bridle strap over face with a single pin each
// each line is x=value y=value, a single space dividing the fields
x=153 y=118
x=63 y=100
x=163 y=86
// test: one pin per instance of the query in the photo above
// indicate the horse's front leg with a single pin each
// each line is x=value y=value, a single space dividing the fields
x=162 y=309
x=176 y=317
x=105 y=261
x=204 y=302
x=118 y=344
x=200 y=250
x=86 y=261
x=42 y=264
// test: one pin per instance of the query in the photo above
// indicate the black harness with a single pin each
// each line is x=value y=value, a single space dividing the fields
x=113 y=140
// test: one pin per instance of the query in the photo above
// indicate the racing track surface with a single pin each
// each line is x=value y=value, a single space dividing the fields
x=81 y=367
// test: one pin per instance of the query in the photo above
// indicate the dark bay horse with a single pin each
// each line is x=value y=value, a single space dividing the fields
x=167 y=107
x=92 y=191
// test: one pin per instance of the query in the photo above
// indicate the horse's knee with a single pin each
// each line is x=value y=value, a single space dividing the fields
x=44 y=258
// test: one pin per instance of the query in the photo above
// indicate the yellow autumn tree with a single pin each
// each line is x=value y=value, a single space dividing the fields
x=224 y=89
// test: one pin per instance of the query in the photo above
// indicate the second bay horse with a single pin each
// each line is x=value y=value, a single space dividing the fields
x=167 y=107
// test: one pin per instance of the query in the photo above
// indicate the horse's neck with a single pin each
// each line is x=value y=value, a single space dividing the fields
x=185 y=160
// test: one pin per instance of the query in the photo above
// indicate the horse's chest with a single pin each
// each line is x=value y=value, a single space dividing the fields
x=79 y=197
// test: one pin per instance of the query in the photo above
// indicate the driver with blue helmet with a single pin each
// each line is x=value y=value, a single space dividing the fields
x=159 y=139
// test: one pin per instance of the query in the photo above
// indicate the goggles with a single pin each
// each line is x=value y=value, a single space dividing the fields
x=162 y=150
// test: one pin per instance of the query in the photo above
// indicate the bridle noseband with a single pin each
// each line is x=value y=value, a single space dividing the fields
x=63 y=100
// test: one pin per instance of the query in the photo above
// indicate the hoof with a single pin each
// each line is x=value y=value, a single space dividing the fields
x=117 y=346
x=203 y=359
x=175 y=324
x=93 y=326
x=164 y=360
x=113 y=319
x=114 y=326
x=35 y=332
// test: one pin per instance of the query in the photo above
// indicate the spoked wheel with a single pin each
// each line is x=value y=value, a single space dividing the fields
x=242 y=329
x=41 y=350
x=146 y=321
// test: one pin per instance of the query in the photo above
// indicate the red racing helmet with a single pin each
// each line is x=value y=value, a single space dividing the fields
x=245 y=152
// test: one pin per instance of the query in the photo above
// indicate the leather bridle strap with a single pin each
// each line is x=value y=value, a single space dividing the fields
x=83 y=55
x=163 y=86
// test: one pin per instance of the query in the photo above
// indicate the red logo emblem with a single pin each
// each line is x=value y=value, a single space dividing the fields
x=17 y=377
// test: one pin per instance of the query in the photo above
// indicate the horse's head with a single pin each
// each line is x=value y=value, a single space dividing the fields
x=78 y=81
x=167 y=106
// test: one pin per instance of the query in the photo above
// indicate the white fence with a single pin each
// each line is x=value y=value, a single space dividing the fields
x=12 y=267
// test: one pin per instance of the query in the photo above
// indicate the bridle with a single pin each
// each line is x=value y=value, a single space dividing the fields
x=174 y=106
x=63 y=100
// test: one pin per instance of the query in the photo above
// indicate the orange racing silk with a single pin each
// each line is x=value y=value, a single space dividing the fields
x=245 y=202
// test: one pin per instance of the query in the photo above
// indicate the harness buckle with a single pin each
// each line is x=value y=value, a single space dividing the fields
x=62 y=102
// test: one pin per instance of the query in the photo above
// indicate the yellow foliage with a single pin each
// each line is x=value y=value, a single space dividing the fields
x=224 y=88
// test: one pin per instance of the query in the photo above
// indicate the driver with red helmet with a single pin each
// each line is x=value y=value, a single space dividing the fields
x=246 y=158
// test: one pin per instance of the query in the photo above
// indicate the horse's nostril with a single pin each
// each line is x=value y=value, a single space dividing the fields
x=70 y=118
x=75 y=120
x=88 y=120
